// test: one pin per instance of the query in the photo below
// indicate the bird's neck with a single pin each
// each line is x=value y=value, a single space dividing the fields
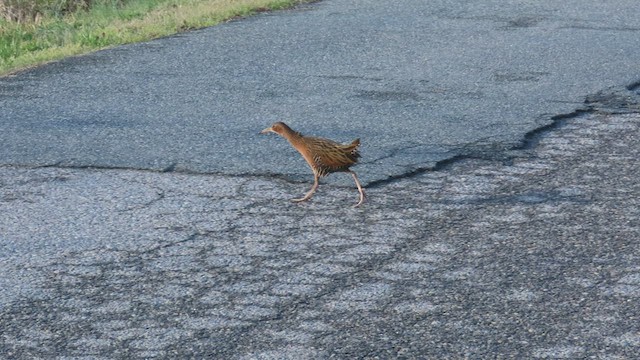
x=293 y=137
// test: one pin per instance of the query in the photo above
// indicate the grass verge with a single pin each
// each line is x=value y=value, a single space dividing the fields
x=52 y=36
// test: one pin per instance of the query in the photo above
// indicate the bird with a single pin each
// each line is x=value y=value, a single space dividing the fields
x=324 y=156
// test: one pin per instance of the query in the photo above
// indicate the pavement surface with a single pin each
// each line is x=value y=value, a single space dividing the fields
x=513 y=249
x=418 y=81
x=535 y=255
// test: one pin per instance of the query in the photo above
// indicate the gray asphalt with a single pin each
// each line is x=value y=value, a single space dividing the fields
x=534 y=256
x=525 y=247
x=418 y=81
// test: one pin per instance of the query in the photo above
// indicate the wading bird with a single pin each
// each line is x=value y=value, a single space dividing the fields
x=324 y=156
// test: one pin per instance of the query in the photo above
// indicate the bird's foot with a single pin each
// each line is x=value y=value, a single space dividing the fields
x=305 y=198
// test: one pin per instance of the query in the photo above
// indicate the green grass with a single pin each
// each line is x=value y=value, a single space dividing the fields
x=53 y=34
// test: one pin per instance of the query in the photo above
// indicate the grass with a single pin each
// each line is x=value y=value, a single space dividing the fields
x=48 y=33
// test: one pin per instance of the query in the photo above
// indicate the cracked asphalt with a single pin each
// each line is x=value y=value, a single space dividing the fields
x=418 y=81
x=533 y=255
x=513 y=235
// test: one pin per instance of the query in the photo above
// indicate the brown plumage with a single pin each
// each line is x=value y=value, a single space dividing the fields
x=324 y=156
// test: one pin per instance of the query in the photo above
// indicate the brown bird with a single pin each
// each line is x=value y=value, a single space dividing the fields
x=324 y=156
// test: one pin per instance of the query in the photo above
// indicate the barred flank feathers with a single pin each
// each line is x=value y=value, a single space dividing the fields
x=330 y=156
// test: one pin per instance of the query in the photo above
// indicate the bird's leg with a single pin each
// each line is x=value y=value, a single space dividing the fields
x=310 y=193
x=359 y=188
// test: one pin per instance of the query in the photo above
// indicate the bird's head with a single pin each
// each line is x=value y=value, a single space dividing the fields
x=278 y=128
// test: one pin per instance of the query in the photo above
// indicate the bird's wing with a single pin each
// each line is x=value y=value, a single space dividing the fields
x=331 y=156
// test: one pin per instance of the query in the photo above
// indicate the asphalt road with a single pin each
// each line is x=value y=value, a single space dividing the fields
x=534 y=257
x=418 y=81
x=525 y=252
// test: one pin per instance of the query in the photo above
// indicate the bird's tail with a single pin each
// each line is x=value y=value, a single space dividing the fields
x=352 y=149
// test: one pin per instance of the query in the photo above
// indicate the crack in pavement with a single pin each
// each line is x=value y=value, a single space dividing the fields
x=614 y=100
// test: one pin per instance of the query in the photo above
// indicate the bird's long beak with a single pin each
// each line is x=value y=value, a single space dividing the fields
x=267 y=130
